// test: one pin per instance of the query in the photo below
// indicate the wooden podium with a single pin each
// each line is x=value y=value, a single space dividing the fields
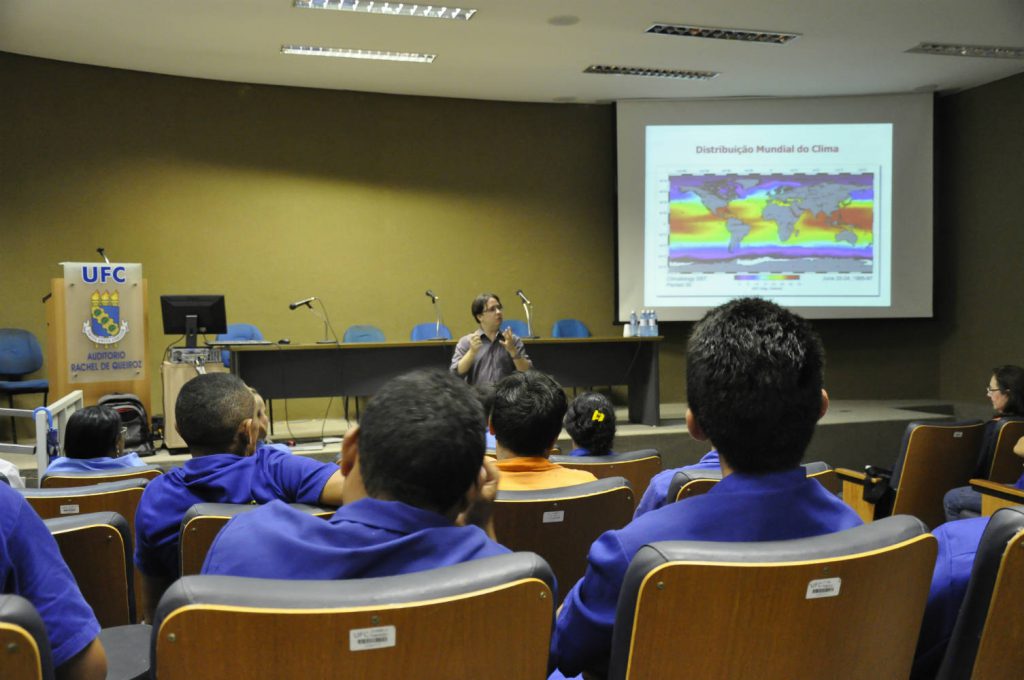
x=57 y=355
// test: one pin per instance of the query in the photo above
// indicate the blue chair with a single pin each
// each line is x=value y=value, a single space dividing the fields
x=518 y=327
x=363 y=333
x=570 y=328
x=428 y=331
x=20 y=354
x=237 y=331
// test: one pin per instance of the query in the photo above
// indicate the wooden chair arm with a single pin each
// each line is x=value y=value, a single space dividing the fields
x=853 y=476
x=1003 y=491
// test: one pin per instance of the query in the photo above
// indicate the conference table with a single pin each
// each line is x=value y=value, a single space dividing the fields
x=299 y=371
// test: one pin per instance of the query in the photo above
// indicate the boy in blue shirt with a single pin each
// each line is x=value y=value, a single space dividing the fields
x=218 y=418
x=754 y=390
x=418 y=495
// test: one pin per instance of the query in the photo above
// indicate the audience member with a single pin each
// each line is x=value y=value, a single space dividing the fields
x=590 y=421
x=418 y=495
x=754 y=385
x=94 y=442
x=526 y=420
x=656 y=494
x=31 y=566
x=486 y=355
x=217 y=417
x=1006 y=392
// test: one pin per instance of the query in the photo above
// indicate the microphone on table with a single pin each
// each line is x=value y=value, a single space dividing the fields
x=522 y=296
x=305 y=302
x=430 y=294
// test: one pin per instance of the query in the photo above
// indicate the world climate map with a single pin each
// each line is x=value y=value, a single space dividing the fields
x=773 y=222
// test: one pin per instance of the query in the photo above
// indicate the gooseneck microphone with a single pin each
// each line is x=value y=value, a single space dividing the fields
x=522 y=296
x=430 y=294
x=103 y=255
x=305 y=302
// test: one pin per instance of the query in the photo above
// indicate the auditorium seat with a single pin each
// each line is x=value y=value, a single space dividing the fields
x=636 y=466
x=356 y=334
x=97 y=547
x=934 y=457
x=1006 y=465
x=569 y=328
x=62 y=480
x=237 y=331
x=842 y=605
x=995 y=496
x=20 y=355
x=518 y=327
x=485 y=618
x=560 y=524
x=688 y=483
x=203 y=521
x=429 y=331
x=24 y=646
x=988 y=638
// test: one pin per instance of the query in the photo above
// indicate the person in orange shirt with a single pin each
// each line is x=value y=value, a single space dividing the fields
x=526 y=419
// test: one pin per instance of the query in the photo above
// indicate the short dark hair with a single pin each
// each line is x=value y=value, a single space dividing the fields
x=210 y=408
x=590 y=421
x=480 y=304
x=92 y=432
x=527 y=412
x=753 y=381
x=421 y=440
x=1010 y=379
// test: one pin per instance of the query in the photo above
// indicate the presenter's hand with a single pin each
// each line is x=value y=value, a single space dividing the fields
x=475 y=341
x=510 y=346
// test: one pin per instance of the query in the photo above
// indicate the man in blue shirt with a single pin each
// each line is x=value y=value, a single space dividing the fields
x=754 y=390
x=217 y=417
x=418 y=495
x=31 y=566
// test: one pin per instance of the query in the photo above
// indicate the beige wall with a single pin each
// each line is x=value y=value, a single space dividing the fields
x=270 y=194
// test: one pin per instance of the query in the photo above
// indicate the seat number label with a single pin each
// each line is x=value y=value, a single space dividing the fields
x=70 y=509
x=553 y=516
x=360 y=639
x=823 y=587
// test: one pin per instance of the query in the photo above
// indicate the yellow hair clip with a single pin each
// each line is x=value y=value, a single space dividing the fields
x=598 y=416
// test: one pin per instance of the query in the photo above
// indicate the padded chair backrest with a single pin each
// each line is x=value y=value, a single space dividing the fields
x=363 y=333
x=988 y=638
x=428 y=331
x=570 y=328
x=121 y=497
x=934 y=458
x=97 y=547
x=237 y=331
x=203 y=521
x=62 y=480
x=688 y=483
x=20 y=352
x=1005 y=463
x=842 y=605
x=636 y=466
x=24 y=647
x=560 y=524
x=485 y=618
x=518 y=327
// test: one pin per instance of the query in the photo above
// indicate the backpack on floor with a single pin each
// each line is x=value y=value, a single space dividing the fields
x=134 y=417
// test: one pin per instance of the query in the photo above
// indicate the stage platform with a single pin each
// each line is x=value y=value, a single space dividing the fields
x=852 y=434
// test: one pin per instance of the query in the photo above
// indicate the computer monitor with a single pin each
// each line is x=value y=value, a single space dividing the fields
x=190 y=315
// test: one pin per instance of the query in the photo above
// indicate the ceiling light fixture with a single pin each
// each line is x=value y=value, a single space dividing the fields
x=404 y=9
x=349 y=53
x=982 y=51
x=740 y=34
x=650 y=72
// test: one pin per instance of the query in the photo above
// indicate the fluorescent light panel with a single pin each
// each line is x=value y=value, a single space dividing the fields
x=983 y=51
x=349 y=53
x=649 y=72
x=740 y=34
x=404 y=9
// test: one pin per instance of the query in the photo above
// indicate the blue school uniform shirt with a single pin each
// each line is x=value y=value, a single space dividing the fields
x=100 y=464
x=958 y=543
x=586 y=452
x=31 y=566
x=367 y=538
x=770 y=507
x=656 y=495
x=272 y=472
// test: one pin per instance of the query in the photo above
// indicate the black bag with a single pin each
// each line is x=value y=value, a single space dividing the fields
x=134 y=418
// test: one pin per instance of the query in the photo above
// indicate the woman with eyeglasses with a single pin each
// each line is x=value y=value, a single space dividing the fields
x=94 y=441
x=1005 y=390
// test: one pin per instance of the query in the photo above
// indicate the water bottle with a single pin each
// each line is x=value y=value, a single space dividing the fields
x=654 y=323
x=634 y=324
x=645 y=323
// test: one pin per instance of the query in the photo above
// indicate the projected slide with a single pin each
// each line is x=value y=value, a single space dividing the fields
x=797 y=213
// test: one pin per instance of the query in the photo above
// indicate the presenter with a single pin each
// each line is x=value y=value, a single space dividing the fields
x=485 y=356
